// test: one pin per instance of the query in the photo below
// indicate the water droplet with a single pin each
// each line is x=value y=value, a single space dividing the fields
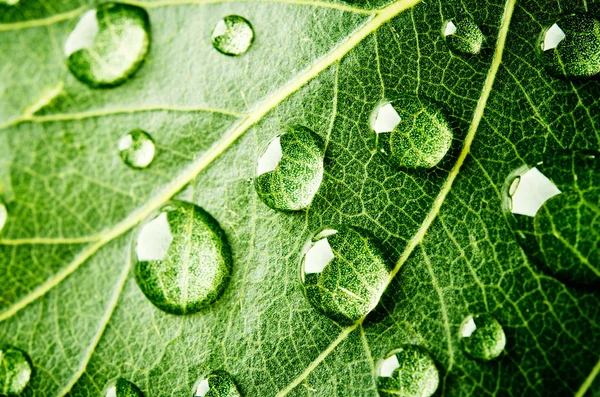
x=183 y=258
x=109 y=44
x=463 y=36
x=344 y=273
x=571 y=46
x=215 y=384
x=409 y=372
x=3 y=215
x=15 y=371
x=290 y=170
x=233 y=35
x=412 y=132
x=553 y=208
x=122 y=388
x=482 y=337
x=136 y=149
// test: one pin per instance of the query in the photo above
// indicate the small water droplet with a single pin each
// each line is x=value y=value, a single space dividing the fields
x=183 y=258
x=122 y=388
x=215 y=384
x=233 y=35
x=571 y=46
x=412 y=132
x=290 y=170
x=553 y=209
x=109 y=44
x=3 y=215
x=136 y=149
x=409 y=372
x=15 y=371
x=344 y=273
x=463 y=36
x=482 y=337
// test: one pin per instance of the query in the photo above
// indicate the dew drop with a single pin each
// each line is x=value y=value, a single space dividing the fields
x=463 y=36
x=553 y=208
x=183 y=259
x=108 y=44
x=215 y=384
x=122 y=388
x=344 y=273
x=290 y=170
x=409 y=372
x=570 y=47
x=136 y=149
x=412 y=133
x=15 y=371
x=482 y=337
x=233 y=35
x=3 y=215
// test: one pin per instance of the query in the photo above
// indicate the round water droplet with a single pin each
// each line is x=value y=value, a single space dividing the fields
x=463 y=36
x=3 y=215
x=183 y=258
x=482 y=337
x=290 y=170
x=122 y=388
x=571 y=46
x=344 y=273
x=15 y=371
x=554 y=209
x=233 y=35
x=412 y=132
x=109 y=44
x=136 y=149
x=408 y=372
x=215 y=384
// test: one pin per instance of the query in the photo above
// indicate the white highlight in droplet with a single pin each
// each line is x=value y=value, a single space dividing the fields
x=155 y=239
x=388 y=366
x=553 y=37
x=3 y=217
x=450 y=28
x=386 y=120
x=319 y=255
x=468 y=327
x=201 y=388
x=533 y=191
x=271 y=158
x=112 y=391
x=84 y=33
x=220 y=28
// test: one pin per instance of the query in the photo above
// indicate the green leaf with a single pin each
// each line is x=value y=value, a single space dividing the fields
x=68 y=295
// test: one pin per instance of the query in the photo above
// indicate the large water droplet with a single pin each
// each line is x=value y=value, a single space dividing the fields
x=15 y=371
x=554 y=210
x=109 y=44
x=344 y=273
x=233 y=35
x=571 y=46
x=463 y=36
x=409 y=372
x=136 y=149
x=122 y=388
x=215 y=384
x=3 y=215
x=183 y=258
x=411 y=132
x=482 y=337
x=290 y=170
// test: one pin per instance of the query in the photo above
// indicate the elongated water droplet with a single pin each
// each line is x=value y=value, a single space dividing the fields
x=482 y=337
x=571 y=46
x=109 y=44
x=3 y=215
x=344 y=273
x=122 y=388
x=233 y=35
x=463 y=36
x=553 y=208
x=183 y=258
x=136 y=149
x=15 y=371
x=215 y=384
x=290 y=170
x=408 y=372
x=412 y=132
